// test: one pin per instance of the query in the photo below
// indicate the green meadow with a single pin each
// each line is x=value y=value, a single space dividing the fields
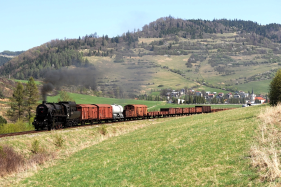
x=206 y=150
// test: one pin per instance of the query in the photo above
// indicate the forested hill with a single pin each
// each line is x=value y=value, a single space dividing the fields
x=11 y=53
x=218 y=42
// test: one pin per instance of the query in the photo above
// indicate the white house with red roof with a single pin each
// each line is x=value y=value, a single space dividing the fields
x=262 y=100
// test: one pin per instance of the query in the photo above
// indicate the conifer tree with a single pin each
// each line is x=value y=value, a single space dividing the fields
x=32 y=95
x=17 y=103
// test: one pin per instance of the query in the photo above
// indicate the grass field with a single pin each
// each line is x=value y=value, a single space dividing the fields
x=260 y=87
x=26 y=81
x=210 y=149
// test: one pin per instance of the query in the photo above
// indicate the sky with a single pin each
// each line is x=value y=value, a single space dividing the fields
x=30 y=23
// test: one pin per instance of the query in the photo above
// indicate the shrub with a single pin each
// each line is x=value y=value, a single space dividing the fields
x=3 y=120
x=59 y=140
x=102 y=129
x=19 y=126
x=35 y=147
x=10 y=161
x=275 y=89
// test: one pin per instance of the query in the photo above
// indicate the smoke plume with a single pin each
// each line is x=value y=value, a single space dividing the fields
x=68 y=76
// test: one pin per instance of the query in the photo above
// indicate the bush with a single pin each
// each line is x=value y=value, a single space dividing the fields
x=19 y=126
x=10 y=161
x=275 y=89
x=59 y=140
x=35 y=147
x=2 y=120
x=102 y=129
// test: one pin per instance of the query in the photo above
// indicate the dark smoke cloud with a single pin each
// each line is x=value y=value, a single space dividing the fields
x=84 y=76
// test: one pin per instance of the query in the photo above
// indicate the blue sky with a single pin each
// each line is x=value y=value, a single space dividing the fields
x=29 y=23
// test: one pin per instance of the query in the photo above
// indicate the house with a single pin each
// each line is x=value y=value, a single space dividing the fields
x=182 y=91
x=236 y=96
x=198 y=93
x=229 y=95
x=243 y=94
x=221 y=94
x=262 y=100
x=211 y=96
x=208 y=92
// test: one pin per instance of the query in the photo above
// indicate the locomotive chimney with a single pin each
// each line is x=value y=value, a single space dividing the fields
x=43 y=102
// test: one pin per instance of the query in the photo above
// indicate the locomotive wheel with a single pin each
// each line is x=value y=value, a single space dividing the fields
x=58 y=126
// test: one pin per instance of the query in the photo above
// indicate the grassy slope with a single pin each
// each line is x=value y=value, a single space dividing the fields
x=175 y=81
x=210 y=149
x=259 y=87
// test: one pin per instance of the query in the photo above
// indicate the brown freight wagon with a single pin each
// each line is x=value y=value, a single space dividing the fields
x=104 y=112
x=164 y=113
x=198 y=109
x=152 y=114
x=178 y=111
x=135 y=111
x=172 y=111
x=89 y=113
x=192 y=110
x=206 y=109
x=185 y=110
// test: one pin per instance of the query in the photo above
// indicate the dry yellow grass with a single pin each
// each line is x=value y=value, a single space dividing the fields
x=265 y=153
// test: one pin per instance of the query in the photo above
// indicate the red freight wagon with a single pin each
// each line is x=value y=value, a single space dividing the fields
x=104 y=111
x=185 y=110
x=192 y=110
x=88 y=112
x=198 y=109
x=178 y=110
x=170 y=110
x=134 y=111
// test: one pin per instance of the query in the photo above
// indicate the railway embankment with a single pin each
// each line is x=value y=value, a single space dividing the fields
x=207 y=149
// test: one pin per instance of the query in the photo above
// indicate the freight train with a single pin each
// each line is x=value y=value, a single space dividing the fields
x=67 y=114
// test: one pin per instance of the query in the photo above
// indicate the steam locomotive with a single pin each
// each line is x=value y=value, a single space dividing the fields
x=67 y=114
x=56 y=115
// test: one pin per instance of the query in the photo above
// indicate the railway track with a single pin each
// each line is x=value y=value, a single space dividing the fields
x=79 y=126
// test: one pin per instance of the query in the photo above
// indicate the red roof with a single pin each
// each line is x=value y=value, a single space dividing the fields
x=260 y=98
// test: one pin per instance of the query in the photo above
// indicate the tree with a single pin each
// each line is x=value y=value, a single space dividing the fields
x=64 y=96
x=1 y=95
x=275 y=89
x=2 y=120
x=17 y=102
x=32 y=95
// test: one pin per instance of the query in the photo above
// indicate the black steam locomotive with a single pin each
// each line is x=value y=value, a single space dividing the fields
x=56 y=115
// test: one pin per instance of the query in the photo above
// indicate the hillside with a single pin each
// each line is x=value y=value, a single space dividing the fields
x=208 y=149
x=167 y=53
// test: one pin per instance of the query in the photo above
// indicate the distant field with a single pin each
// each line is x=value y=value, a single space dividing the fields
x=260 y=87
x=201 y=150
x=26 y=81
